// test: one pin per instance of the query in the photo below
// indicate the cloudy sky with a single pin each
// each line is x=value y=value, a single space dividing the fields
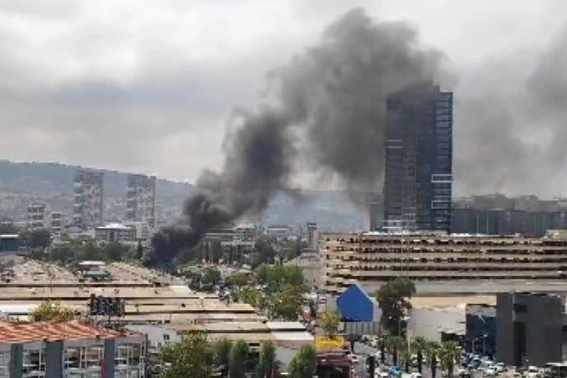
x=146 y=86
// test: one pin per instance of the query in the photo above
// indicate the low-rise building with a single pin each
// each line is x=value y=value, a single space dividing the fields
x=69 y=349
x=115 y=232
x=529 y=328
x=374 y=258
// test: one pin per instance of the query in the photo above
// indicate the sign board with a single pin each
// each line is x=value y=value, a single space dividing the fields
x=329 y=343
x=362 y=328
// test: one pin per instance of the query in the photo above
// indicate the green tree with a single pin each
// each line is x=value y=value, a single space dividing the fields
x=139 y=252
x=211 y=276
x=264 y=251
x=190 y=356
x=432 y=353
x=394 y=344
x=217 y=252
x=238 y=359
x=9 y=229
x=268 y=363
x=61 y=253
x=114 y=251
x=38 y=238
x=251 y=296
x=449 y=355
x=261 y=274
x=329 y=322
x=240 y=280
x=52 y=311
x=288 y=304
x=222 y=350
x=304 y=364
x=405 y=354
x=419 y=346
x=393 y=299
x=281 y=275
x=90 y=251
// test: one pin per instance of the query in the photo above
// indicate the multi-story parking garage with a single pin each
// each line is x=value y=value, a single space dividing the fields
x=430 y=259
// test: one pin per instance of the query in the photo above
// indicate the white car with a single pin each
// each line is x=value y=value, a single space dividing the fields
x=532 y=372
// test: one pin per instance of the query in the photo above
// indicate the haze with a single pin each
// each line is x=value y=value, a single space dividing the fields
x=148 y=86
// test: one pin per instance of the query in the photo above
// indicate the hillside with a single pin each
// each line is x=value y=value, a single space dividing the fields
x=21 y=183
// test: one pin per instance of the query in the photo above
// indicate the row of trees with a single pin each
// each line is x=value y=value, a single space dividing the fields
x=445 y=355
x=194 y=355
x=265 y=251
x=71 y=253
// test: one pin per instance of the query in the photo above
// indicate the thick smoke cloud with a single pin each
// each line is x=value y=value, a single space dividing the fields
x=511 y=118
x=328 y=107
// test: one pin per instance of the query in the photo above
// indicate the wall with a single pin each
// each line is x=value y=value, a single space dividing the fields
x=430 y=323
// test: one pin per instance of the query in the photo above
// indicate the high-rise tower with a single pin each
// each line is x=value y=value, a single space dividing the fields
x=419 y=159
x=141 y=199
x=88 y=204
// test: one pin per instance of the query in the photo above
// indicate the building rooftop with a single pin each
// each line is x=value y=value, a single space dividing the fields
x=41 y=331
x=114 y=226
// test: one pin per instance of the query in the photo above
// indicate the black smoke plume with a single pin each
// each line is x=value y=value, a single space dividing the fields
x=328 y=107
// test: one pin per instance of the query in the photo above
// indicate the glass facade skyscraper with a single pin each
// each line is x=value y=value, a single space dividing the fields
x=419 y=159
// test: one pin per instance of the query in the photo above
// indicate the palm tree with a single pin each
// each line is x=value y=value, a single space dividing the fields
x=382 y=347
x=449 y=355
x=406 y=356
x=432 y=353
x=418 y=346
x=394 y=344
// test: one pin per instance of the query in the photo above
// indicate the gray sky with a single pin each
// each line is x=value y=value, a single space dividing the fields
x=146 y=86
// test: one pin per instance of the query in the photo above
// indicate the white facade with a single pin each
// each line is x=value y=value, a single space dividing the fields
x=88 y=203
x=115 y=232
x=141 y=199
x=36 y=216
x=57 y=223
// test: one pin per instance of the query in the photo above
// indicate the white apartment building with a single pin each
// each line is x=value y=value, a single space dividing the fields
x=115 y=232
x=36 y=216
x=141 y=199
x=57 y=223
x=88 y=204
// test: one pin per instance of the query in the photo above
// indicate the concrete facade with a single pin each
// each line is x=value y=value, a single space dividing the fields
x=529 y=328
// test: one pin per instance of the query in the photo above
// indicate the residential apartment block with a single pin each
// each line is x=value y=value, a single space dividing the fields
x=141 y=199
x=88 y=204
x=36 y=216
x=373 y=258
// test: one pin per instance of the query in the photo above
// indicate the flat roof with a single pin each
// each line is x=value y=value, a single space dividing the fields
x=92 y=263
x=451 y=301
x=42 y=331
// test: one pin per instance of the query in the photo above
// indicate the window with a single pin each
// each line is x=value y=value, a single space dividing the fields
x=520 y=308
x=441 y=178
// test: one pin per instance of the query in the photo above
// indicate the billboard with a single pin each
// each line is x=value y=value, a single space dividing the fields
x=329 y=343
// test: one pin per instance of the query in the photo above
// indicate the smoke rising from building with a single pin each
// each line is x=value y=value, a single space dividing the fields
x=328 y=107
x=512 y=123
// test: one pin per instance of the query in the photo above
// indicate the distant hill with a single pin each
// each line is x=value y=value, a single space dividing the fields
x=53 y=183
x=34 y=178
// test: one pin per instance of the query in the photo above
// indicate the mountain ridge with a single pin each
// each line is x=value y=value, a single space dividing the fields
x=53 y=183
